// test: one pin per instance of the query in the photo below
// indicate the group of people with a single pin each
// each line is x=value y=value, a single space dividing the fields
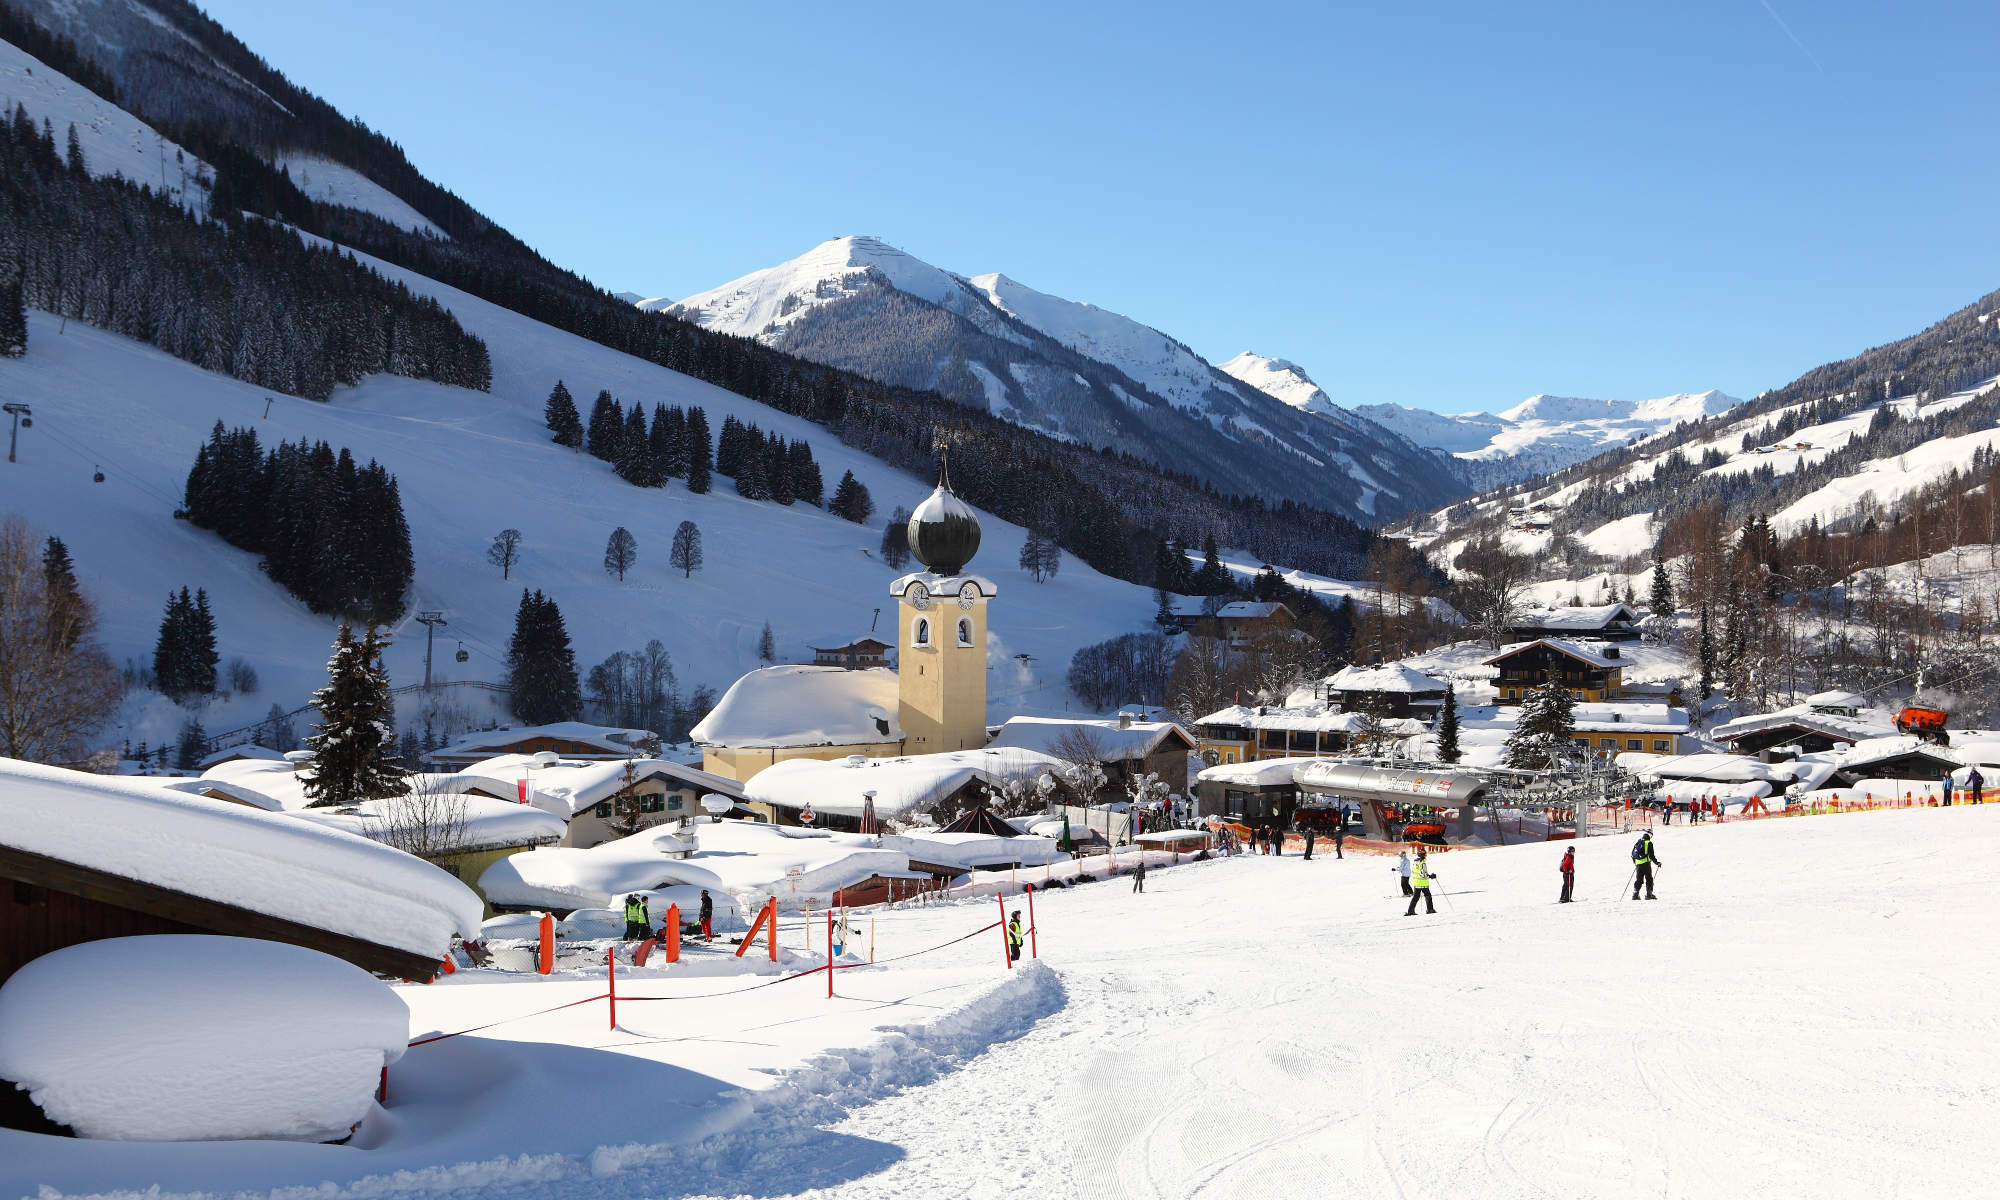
x=639 y=920
x=1645 y=861
x=1973 y=791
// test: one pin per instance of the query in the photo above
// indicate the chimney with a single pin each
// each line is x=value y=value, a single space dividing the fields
x=1124 y=720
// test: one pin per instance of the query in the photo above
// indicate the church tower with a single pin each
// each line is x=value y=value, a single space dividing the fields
x=941 y=629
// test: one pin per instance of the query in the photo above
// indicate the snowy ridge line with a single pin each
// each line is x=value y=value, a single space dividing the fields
x=762 y=1134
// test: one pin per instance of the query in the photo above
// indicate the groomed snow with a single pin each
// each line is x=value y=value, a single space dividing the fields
x=330 y=182
x=187 y=1037
x=267 y=862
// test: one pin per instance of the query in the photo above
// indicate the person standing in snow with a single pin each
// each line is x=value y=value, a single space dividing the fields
x=1339 y=832
x=1275 y=840
x=1945 y=786
x=1403 y=870
x=638 y=927
x=1139 y=876
x=1309 y=843
x=1420 y=880
x=1014 y=937
x=1568 y=874
x=1973 y=783
x=1644 y=859
x=707 y=916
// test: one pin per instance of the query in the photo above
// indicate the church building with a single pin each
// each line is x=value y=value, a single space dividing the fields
x=935 y=700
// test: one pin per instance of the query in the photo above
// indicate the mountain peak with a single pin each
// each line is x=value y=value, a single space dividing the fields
x=1280 y=379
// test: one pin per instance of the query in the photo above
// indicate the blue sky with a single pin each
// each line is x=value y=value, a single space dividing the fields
x=1450 y=206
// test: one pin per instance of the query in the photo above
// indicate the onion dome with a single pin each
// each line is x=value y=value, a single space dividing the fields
x=944 y=534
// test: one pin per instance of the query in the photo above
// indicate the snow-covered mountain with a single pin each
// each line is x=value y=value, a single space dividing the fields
x=1069 y=369
x=1282 y=379
x=1544 y=433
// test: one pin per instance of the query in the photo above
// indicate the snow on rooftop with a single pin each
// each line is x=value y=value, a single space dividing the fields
x=743 y=858
x=1578 y=617
x=246 y=750
x=1117 y=742
x=569 y=786
x=901 y=785
x=788 y=706
x=484 y=822
x=1837 y=699
x=609 y=739
x=1269 y=772
x=966 y=851
x=265 y=862
x=1588 y=652
x=1395 y=677
x=1712 y=768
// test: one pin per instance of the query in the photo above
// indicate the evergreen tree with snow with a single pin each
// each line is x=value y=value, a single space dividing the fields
x=1542 y=732
x=620 y=552
x=698 y=464
x=634 y=461
x=851 y=500
x=751 y=481
x=607 y=428
x=1447 y=745
x=685 y=556
x=807 y=484
x=13 y=301
x=1707 y=652
x=190 y=746
x=767 y=646
x=1213 y=579
x=1661 y=601
x=354 y=746
x=70 y=615
x=729 y=447
x=896 y=539
x=560 y=415
x=541 y=665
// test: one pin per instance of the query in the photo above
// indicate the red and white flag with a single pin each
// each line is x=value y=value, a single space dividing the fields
x=525 y=792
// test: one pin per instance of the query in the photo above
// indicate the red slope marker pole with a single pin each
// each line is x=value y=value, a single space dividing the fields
x=1006 y=942
x=546 y=959
x=1034 y=944
x=829 y=954
x=611 y=982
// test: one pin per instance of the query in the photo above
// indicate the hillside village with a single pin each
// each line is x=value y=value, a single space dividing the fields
x=865 y=729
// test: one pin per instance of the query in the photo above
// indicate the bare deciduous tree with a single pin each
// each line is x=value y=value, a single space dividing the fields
x=56 y=685
x=505 y=551
x=427 y=819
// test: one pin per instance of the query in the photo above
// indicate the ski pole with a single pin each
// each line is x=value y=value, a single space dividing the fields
x=1630 y=876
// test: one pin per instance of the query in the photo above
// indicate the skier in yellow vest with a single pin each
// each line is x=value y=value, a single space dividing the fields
x=1014 y=937
x=1420 y=885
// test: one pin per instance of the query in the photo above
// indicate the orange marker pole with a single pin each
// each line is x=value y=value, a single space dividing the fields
x=673 y=932
x=546 y=960
x=611 y=982
x=829 y=954
x=771 y=931
x=1034 y=946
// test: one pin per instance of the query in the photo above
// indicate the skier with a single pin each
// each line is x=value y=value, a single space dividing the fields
x=1309 y=843
x=1014 y=937
x=1339 y=832
x=1275 y=840
x=637 y=925
x=707 y=916
x=1973 y=783
x=841 y=932
x=1139 y=877
x=1645 y=860
x=1256 y=839
x=1421 y=880
x=1403 y=870
x=1568 y=874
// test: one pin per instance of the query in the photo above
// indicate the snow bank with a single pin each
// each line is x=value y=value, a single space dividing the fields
x=267 y=862
x=229 y=1038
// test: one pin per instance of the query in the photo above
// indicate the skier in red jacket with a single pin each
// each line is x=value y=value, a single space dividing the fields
x=1568 y=873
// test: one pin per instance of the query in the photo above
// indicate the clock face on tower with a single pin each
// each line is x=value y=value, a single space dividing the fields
x=919 y=597
x=967 y=595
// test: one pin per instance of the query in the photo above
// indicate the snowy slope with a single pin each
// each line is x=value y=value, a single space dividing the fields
x=113 y=141
x=1069 y=369
x=1546 y=433
x=1280 y=379
x=469 y=465
x=330 y=182
x=1507 y=1047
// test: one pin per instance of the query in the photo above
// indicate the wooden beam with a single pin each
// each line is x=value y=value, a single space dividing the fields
x=203 y=913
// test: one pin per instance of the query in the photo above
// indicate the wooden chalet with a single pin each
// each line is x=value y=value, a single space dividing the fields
x=1593 y=671
x=855 y=654
x=1603 y=622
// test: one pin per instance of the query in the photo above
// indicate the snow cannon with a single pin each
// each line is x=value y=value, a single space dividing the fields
x=1926 y=723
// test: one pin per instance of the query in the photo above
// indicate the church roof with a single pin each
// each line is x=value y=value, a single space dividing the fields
x=944 y=532
x=789 y=706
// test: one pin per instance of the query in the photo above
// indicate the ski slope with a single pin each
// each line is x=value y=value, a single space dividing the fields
x=330 y=182
x=1797 y=1015
x=113 y=141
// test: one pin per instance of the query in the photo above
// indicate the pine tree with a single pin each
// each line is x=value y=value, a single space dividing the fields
x=354 y=746
x=173 y=653
x=778 y=471
x=73 y=156
x=729 y=447
x=767 y=646
x=751 y=481
x=13 y=302
x=896 y=539
x=1662 y=599
x=621 y=551
x=1542 y=732
x=851 y=500
x=1213 y=579
x=191 y=745
x=201 y=651
x=70 y=616
x=1447 y=742
x=1708 y=653
x=685 y=556
x=561 y=417
x=807 y=484
x=607 y=428
x=697 y=451
x=541 y=666
x=634 y=463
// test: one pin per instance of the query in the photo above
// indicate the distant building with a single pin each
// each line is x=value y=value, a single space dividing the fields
x=1610 y=729
x=855 y=654
x=584 y=793
x=571 y=739
x=1391 y=691
x=1591 y=671
x=779 y=713
x=1238 y=624
x=1124 y=746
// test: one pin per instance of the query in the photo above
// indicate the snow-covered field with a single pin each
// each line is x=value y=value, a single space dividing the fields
x=1802 y=1013
x=330 y=182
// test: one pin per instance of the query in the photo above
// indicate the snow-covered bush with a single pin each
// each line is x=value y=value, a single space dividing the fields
x=191 y=1037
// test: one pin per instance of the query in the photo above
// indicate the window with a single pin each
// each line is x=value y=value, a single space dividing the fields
x=602 y=810
x=965 y=631
x=1232 y=803
x=1632 y=743
x=923 y=633
x=652 y=802
x=1661 y=745
x=673 y=803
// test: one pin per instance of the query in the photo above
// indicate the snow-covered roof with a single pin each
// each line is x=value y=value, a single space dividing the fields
x=901 y=785
x=943 y=587
x=1839 y=728
x=1577 y=618
x=270 y=784
x=1268 y=772
x=571 y=785
x=1394 y=677
x=842 y=641
x=1837 y=699
x=1882 y=749
x=240 y=750
x=606 y=739
x=266 y=862
x=1117 y=741
x=1712 y=768
x=965 y=851
x=805 y=706
x=1305 y=718
x=1628 y=717
x=1581 y=651
x=486 y=823
x=1234 y=610
x=739 y=857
